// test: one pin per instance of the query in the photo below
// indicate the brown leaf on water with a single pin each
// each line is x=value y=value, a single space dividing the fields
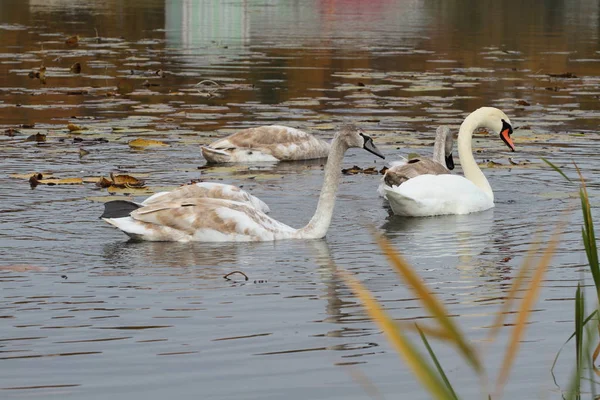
x=38 y=175
x=126 y=181
x=352 y=171
x=38 y=137
x=77 y=92
x=76 y=68
x=523 y=103
x=119 y=181
x=72 y=41
x=383 y=170
x=143 y=143
x=10 y=132
x=83 y=152
x=34 y=181
x=370 y=171
x=103 y=182
x=73 y=127
x=63 y=181
x=566 y=75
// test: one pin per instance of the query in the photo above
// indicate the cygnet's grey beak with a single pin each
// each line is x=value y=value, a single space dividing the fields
x=370 y=146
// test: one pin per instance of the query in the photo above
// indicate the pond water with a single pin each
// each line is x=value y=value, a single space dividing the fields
x=86 y=314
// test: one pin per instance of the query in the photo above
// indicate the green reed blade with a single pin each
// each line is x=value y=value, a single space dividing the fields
x=437 y=363
x=557 y=169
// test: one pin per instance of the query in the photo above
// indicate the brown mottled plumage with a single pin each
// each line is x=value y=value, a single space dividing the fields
x=395 y=176
x=266 y=143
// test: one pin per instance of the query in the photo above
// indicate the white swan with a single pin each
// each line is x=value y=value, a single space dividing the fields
x=266 y=143
x=441 y=163
x=427 y=195
x=214 y=190
x=219 y=220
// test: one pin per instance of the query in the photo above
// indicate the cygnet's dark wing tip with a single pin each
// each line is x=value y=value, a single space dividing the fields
x=118 y=209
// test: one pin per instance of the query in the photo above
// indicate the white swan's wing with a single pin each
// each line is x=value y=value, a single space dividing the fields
x=208 y=189
x=428 y=195
x=201 y=219
x=266 y=143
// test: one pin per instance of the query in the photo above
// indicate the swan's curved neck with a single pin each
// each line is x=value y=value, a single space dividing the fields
x=319 y=223
x=465 y=154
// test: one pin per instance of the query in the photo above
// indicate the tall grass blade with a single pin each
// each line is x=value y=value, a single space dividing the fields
x=524 y=312
x=588 y=234
x=557 y=169
x=579 y=311
x=420 y=368
x=574 y=389
x=438 y=366
x=430 y=302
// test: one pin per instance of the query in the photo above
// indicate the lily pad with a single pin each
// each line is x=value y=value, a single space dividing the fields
x=143 y=143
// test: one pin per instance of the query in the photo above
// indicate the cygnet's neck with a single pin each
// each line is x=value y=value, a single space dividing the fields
x=319 y=223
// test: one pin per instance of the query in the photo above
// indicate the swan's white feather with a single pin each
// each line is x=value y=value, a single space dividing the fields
x=428 y=195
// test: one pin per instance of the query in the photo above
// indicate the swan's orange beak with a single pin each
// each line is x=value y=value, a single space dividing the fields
x=505 y=135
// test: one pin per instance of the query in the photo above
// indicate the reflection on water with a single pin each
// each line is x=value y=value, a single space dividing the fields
x=449 y=235
x=88 y=314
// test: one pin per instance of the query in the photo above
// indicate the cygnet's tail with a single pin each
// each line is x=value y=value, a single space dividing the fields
x=215 y=156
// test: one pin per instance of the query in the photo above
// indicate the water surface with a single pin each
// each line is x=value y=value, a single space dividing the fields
x=86 y=314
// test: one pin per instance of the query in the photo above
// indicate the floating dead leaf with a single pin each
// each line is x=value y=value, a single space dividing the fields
x=57 y=181
x=352 y=171
x=383 y=170
x=566 y=75
x=72 y=41
x=38 y=175
x=83 y=152
x=126 y=180
x=370 y=171
x=76 y=68
x=523 y=103
x=34 y=180
x=10 y=132
x=73 y=127
x=103 y=182
x=142 y=143
x=28 y=126
x=39 y=74
x=77 y=92
x=38 y=137
x=119 y=181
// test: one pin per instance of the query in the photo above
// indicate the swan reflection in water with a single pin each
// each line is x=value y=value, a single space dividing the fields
x=463 y=236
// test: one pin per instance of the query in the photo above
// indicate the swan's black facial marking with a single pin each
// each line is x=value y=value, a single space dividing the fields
x=370 y=146
x=449 y=162
x=505 y=133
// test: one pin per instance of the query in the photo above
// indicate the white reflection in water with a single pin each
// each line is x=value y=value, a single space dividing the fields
x=443 y=236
